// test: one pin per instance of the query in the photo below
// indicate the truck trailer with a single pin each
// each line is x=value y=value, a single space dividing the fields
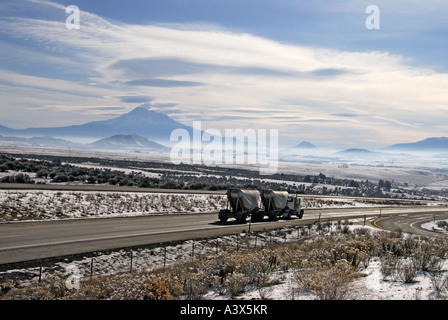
x=243 y=204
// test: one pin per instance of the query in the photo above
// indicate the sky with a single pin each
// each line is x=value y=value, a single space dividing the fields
x=334 y=73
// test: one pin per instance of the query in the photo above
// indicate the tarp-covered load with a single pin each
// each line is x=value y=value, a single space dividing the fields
x=246 y=200
x=275 y=200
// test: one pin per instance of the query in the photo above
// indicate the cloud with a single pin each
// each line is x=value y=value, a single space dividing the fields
x=346 y=115
x=160 y=67
x=135 y=99
x=219 y=74
x=162 y=83
x=329 y=72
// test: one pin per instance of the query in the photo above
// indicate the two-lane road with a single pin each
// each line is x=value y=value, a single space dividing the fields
x=24 y=241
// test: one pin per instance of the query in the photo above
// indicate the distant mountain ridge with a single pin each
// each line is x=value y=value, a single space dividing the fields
x=429 y=144
x=46 y=141
x=131 y=141
x=140 y=121
x=156 y=126
x=356 y=152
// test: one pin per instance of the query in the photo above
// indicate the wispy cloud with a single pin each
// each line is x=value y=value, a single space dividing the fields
x=229 y=78
x=163 y=83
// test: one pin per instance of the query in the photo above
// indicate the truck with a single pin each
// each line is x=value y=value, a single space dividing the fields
x=243 y=204
x=280 y=204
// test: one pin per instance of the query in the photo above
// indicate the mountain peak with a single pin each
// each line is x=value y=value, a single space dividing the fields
x=142 y=109
x=305 y=145
x=141 y=121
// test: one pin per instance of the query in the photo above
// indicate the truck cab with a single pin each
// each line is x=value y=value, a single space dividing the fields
x=293 y=205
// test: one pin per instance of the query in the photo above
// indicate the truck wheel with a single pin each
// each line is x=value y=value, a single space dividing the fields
x=241 y=220
x=258 y=216
x=301 y=214
x=223 y=219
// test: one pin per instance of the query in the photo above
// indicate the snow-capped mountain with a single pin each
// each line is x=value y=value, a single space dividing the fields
x=140 y=121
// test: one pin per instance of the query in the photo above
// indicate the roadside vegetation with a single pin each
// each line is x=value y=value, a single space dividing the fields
x=324 y=263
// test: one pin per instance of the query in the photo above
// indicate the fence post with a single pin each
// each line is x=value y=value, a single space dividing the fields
x=91 y=268
x=192 y=250
x=164 y=258
x=40 y=271
x=237 y=242
x=217 y=243
x=131 y=263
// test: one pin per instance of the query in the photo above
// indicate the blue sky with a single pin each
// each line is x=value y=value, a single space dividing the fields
x=308 y=68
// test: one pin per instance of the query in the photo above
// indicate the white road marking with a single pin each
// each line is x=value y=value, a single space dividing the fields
x=12 y=236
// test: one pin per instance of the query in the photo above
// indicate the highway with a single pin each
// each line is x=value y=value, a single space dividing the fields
x=23 y=241
x=411 y=223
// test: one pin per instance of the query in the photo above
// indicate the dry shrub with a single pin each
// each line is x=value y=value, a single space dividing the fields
x=52 y=289
x=36 y=292
x=115 y=287
x=406 y=271
x=428 y=255
x=327 y=283
x=388 y=266
x=162 y=288
x=439 y=283
x=141 y=286
x=235 y=283
x=353 y=252
x=232 y=272
x=191 y=278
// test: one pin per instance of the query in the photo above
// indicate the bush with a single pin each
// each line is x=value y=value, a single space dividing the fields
x=327 y=283
x=235 y=283
x=406 y=271
x=17 y=178
x=161 y=288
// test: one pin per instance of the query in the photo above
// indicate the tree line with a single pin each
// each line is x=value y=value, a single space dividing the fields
x=55 y=169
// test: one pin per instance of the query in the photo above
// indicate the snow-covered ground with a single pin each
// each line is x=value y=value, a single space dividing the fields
x=49 y=205
x=436 y=227
x=16 y=205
